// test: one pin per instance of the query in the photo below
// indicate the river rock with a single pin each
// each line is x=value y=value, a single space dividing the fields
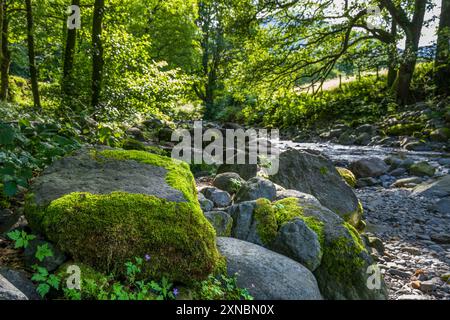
x=50 y=263
x=136 y=133
x=440 y=135
x=297 y=241
x=367 y=182
x=205 y=204
x=439 y=188
x=398 y=172
x=21 y=281
x=221 y=221
x=266 y=274
x=244 y=223
x=9 y=292
x=422 y=169
x=104 y=207
x=287 y=193
x=370 y=167
x=230 y=182
x=314 y=174
x=245 y=171
x=442 y=206
x=341 y=245
x=220 y=198
x=256 y=188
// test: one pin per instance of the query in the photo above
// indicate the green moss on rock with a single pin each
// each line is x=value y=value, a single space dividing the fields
x=288 y=209
x=406 y=129
x=343 y=260
x=348 y=176
x=342 y=257
x=133 y=144
x=105 y=231
x=267 y=227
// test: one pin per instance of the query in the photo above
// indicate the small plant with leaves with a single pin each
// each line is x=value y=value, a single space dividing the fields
x=235 y=184
x=21 y=238
x=45 y=280
x=163 y=289
x=222 y=288
x=43 y=251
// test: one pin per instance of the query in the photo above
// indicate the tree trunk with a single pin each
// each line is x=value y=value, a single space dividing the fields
x=2 y=10
x=392 y=67
x=31 y=56
x=442 y=62
x=6 y=56
x=404 y=79
x=68 y=81
x=409 y=59
x=97 y=48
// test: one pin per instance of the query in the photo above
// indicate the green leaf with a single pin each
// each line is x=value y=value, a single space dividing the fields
x=7 y=134
x=43 y=289
x=53 y=281
x=43 y=252
x=24 y=123
x=14 y=235
x=10 y=188
x=37 y=277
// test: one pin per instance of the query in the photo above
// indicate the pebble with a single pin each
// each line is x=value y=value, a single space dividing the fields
x=416 y=253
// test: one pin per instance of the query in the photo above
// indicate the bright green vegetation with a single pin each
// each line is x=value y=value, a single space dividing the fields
x=348 y=176
x=177 y=235
x=132 y=285
x=266 y=220
x=289 y=208
x=178 y=174
x=26 y=147
x=341 y=248
x=407 y=129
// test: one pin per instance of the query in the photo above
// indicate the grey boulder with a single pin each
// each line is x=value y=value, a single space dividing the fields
x=230 y=182
x=267 y=275
x=370 y=167
x=220 y=198
x=221 y=221
x=244 y=222
x=9 y=292
x=256 y=188
x=205 y=204
x=298 y=242
x=434 y=189
x=15 y=285
x=314 y=174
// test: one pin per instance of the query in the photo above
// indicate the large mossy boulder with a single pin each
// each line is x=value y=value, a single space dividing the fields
x=314 y=174
x=314 y=236
x=105 y=207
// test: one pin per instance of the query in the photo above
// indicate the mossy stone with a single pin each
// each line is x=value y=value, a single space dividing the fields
x=348 y=176
x=105 y=230
x=342 y=272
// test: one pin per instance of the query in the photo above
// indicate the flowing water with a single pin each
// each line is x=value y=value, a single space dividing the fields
x=347 y=154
